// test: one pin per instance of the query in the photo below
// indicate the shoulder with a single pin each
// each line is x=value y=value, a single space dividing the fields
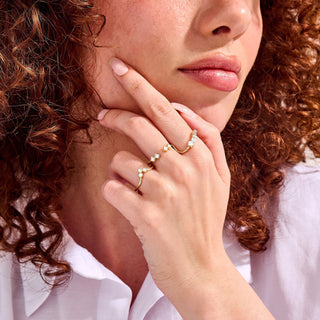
x=287 y=275
x=301 y=189
x=297 y=208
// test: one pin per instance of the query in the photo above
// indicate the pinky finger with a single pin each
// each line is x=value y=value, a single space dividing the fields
x=122 y=198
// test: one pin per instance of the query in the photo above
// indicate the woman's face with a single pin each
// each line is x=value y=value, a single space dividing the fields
x=195 y=52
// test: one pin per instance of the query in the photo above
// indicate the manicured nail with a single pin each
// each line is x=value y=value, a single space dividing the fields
x=182 y=108
x=102 y=113
x=118 y=67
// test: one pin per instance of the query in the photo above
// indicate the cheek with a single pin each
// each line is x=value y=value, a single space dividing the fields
x=134 y=36
x=122 y=20
x=138 y=27
x=253 y=38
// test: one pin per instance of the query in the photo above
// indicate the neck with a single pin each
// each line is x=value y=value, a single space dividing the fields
x=90 y=220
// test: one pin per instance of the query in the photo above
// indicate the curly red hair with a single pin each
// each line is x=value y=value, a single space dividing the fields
x=277 y=116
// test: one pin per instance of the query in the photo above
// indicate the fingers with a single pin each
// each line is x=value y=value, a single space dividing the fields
x=164 y=125
x=130 y=169
x=156 y=107
x=114 y=192
x=169 y=125
x=148 y=138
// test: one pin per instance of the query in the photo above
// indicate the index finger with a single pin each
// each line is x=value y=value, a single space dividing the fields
x=154 y=105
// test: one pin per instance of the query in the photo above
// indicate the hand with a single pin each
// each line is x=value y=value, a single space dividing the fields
x=180 y=215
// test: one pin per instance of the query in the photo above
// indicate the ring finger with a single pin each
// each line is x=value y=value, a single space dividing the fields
x=134 y=171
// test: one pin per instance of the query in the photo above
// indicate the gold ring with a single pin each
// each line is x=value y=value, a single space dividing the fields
x=141 y=173
x=157 y=156
x=189 y=145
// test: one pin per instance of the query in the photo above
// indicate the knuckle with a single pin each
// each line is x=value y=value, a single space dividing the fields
x=109 y=189
x=182 y=175
x=153 y=220
x=119 y=157
x=169 y=192
x=138 y=123
x=214 y=131
x=160 y=108
x=213 y=135
x=135 y=85
x=166 y=188
x=202 y=157
x=112 y=116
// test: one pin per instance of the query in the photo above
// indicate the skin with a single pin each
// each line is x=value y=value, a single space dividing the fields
x=184 y=199
x=178 y=32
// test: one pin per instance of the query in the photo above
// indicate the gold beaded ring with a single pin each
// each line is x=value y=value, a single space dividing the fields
x=153 y=159
x=189 y=145
x=157 y=156
x=141 y=173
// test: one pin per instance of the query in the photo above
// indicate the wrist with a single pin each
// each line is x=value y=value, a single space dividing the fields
x=219 y=293
x=197 y=294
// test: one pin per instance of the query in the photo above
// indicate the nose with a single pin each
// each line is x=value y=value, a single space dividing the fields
x=227 y=18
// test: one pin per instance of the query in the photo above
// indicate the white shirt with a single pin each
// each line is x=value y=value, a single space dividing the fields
x=286 y=277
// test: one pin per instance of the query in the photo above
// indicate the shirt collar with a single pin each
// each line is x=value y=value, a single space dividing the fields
x=147 y=297
x=35 y=290
x=82 y=262
x=85 y=264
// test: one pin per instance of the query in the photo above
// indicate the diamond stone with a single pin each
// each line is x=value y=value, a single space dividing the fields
x=190 y=143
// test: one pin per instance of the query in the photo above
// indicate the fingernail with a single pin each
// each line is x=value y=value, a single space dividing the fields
x=118 y=67
x=182 y=108
x=102 y=113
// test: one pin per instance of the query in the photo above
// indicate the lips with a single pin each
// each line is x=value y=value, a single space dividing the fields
x=218 y=72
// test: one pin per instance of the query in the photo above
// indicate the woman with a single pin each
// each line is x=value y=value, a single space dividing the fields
x=140 y=189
